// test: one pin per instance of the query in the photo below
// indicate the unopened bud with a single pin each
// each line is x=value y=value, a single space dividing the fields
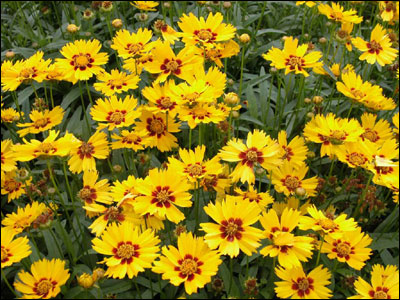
x=235 y=114
x=85 y=280
x=51 y=191
x=167 y=5
x=106 y=6
x=307 y=100
x=244 y=38
x=227 y=4
x=230 y=81
x=98 y=274
x=322 y=40
x=72 y=28
x=117 y=168
x=117 y=23
x=300 y=191
x=310 y=154
x=10 y=54
x=231 y=99
x=310 y=115
x=273 y=70
x=317 y=99
x=88 y=33
x=88 y=14
x=142 y=17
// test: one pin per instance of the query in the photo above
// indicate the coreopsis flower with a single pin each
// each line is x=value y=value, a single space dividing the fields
x=41 y=121
x=5 y=66
x=10 y=115
x=145 y=5
x=295 y=152
x=161 y=192
x=129 y=251
x=8 y=157
x=343 y=35
x=168 y=33
x=287 y=179
x=13 y=186
x=218 y=183
x=54 y=73
x=378 y=49
x=336 y=69
x=13 y=250
x=50 y=146
x=24 y=71
x=293 y=58
x=189 y=95
x=297 y=285
x=214 y=78
x=318 y=221
x=82 y=60
x=332 y=132
x=220 y=51
x=125 y=190
x=357 y=154
x=160 y=96
x=363 y=92
x=94 y=191
x=308 y=3
x=251 y=195
x=113 y=112
x=259 y=149
x=205 y=33
x=192 y=263
x=350 y=248
x=193 y=166
x=389 y=11
x=115 y=82
x=200 y=113
x=384 y=284
x=291 y=202
x=233 y=231
x=85 y=280
x=135 y=140
x=24 y=217
x=383 y=166
x=45 y=281
x=158 y=128
x=376 y=132
x=83 y=153
x=337 y=13
x=290 y=249
x=165 y=62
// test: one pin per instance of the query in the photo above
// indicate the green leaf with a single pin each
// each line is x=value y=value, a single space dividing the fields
x=51 y=245
x=114 y=286
x=70 y=97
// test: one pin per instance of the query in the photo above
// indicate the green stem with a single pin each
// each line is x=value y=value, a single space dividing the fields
x=319 y=251
x=89 y=94
x=231 y=277
x=360 y=201
x=241 y=71
x=34 y=243
x=137 y=288
x=51 y=96
x=190 y=138
x=8 y=284
x=84 y=109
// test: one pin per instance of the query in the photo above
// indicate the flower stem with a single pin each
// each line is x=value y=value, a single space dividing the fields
x=8 y=284
x=319 y=252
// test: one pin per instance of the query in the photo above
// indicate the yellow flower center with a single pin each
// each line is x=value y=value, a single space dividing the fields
x=303 y=284
x=252 y=196
x=113 y=214
x=81 y=60
x=374 y=47
x=204 y=34
x=46 y=148
x=172 y=66
x=28 y=73
x=380 y=295
x=294 y=61
x=41 y=123
x=356 y=159
x=135 y=48
x=157 y=126
x=22 y=223
x=336 y=15
x=358 y=94
x=117 y=117
x=371 y=135
x=252 y=156
x=188 y=267
x=131 y=139
x=195 y=170
x=43 y=287
x=343 y=249
x=337 y=137
x=4 y=254
x=166 y=102
x=12 y=185
x=125 y=251
x=163 y=196
x=213 y=54
x=116 y=83
x=327 y=224
x=292 y=182
x=85 y=150
x=231 y=229
x=200 y=113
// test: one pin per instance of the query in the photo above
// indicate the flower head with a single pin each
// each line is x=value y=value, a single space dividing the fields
x=13 y=250
x=338 y=14
x=24 y=217
x=115 y=82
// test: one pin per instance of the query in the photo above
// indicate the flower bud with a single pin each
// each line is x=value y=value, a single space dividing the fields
x=231 y=81
x=88 y=14
x=310 y=115
x=98 y=274
x=85 y=280
x=167 y=5
x=117 y=23
x=322 y=40
x=307 y=100
x=244 y=38
x=231 y=99
x=72 y=28
x=310 y=154
x=142 y=17
x=106 y=6
x=117 y=168
x=273 y=70
x=317 y=100
x=88 y=33
x=10 y=54
x=227 y=4
x=301 y=192
x=235 y=114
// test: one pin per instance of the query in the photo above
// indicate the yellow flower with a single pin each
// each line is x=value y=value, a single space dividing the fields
x=384 y=284
x=338 y=14
x=396 y=122
x=8 y=157
x=134 y=140
x=293 y=58
x=160 y=96
x=214 y=78
x=291 y=203
x=129 y=251
x=54 y=73
x=13 y=250
x=161 y=192
x=41 y=121
x=351 y=248
x=115 y=82
x=287 y=179
x=193 y=166
x=308 y=3
x=200 y=113
x=205 y=33
x=157 y=133
x=295 y=152
x=24 y=71
x=94 y=191
x=83 y=153
x=13 y=186
x=46 y=279
x=290 y=249
x=218 y=183
x=165 y=62
x=357 y=154
x=332 y=132
x=376 y=132
x=48 y=147
x=10 y=115
x=297 y=285
x=389 y=11
x=233 y=231
x=319 y=222
x=168 y=33
x=251 y=195
x=189 y=95
x=145 y=5
x=24 y=217
x=115 y=112
x=192 y=263
x=259 y=149
x=82 y=60
x=85 y=280
x=221 y=50
x=378 y=49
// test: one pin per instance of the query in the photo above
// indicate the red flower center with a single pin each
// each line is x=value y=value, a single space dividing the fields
x=189 y=266
x=374 y=47
x=303 y=286
x=251 y=156
x=85 y=150
x=44 y=286
x=231 y=229
x=82 y=61
x=162 y=196
x=126 y=251
x=171 y=65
